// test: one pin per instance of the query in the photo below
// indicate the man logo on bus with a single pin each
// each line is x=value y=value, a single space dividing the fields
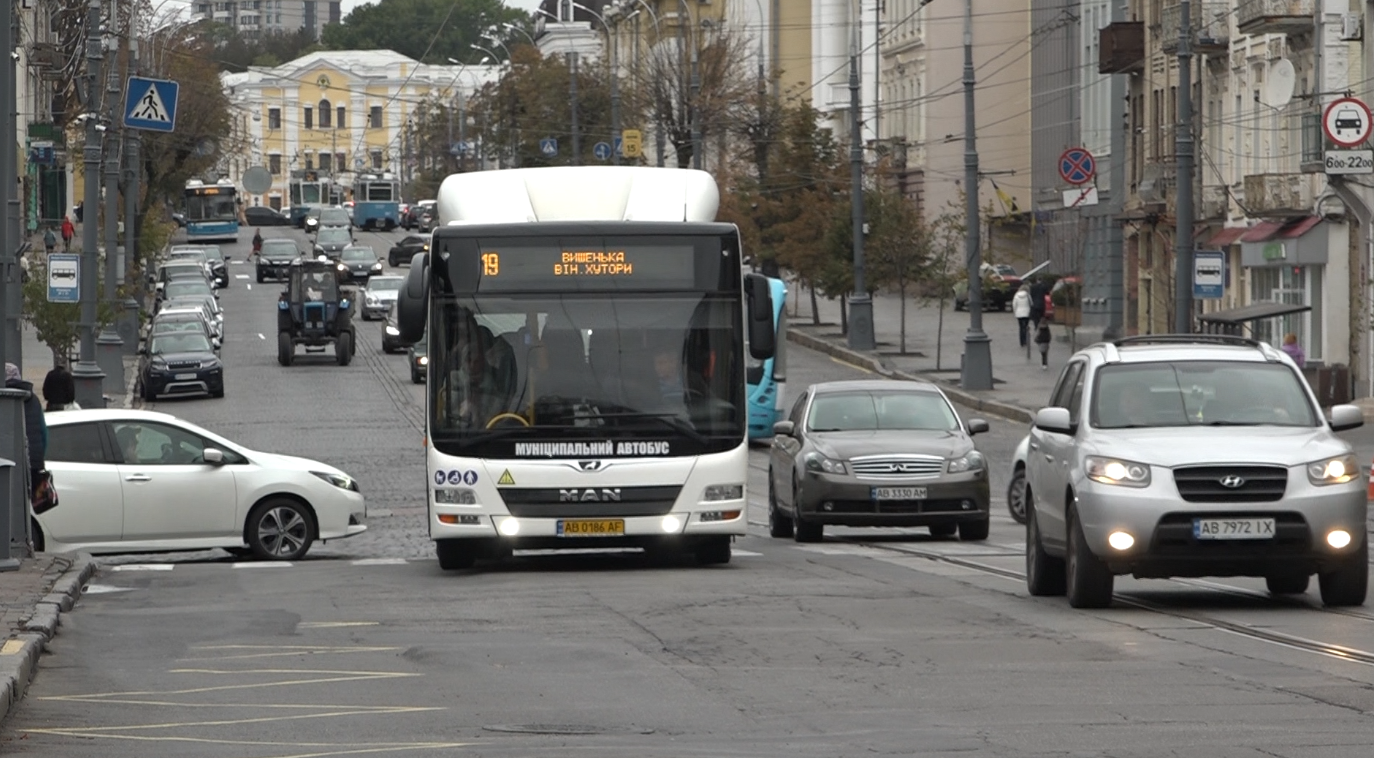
x=604 y=495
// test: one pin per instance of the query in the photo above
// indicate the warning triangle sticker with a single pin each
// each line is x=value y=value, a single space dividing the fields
x=150 y=107
x=505 y=478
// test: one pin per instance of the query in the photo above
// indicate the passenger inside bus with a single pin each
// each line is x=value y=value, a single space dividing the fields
x=483 y=380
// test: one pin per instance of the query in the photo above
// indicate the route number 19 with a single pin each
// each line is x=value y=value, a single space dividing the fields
x=490 y=264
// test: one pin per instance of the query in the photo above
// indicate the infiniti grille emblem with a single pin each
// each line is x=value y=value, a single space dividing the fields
x=1232 y=482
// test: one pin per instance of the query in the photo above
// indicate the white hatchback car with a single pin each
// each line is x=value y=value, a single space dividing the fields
x=137 y=481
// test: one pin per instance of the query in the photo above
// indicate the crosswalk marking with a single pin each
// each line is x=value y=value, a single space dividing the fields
x=143 y=567
x=262 y=564
x=380 y=562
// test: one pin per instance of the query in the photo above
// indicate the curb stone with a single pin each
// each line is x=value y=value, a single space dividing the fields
x=18 y=669
x=860 y=360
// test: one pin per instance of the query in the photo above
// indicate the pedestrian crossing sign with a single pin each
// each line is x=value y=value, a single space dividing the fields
x=151 y=104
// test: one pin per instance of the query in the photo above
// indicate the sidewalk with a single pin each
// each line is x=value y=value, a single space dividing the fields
x=30 y=601
x=1021 y=386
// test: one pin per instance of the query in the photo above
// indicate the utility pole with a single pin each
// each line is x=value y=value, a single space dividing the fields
x=614 y=93
x=14 y=239
x=86 y=373
x=108 y=345
x=1114 y=254
x=975 y=368
x=1183 y=281
x=133 y=263
x=12 y=448
x=861 y=331
x=572 y=96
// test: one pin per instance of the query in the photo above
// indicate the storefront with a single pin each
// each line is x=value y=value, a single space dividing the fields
x=1288 y=264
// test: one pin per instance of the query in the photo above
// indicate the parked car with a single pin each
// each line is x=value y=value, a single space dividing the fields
x=1193 y=455
x=427 y=218
x=210 y=256
x=216 y=325
x=180 y=363
x=877 y=453
x=404 y=250
x=258 y=215
x=330 y=242
x=998 y=285
x=357 y=263
x=1018 y=481
x=139 y=481
x=180 y=289
x=274 y=259
x=381 y=292
x=418 y=360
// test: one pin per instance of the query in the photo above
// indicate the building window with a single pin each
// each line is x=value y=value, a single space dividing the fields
x=376 y=160
x=377 y=117
x=341 y=162
x=275 y=119
x=307 y=117
x=324 y=161
x=1293 y=285
x=276 y=202
x=275 y=164
x=341 y=117
x=307 y=161
x=324 y=115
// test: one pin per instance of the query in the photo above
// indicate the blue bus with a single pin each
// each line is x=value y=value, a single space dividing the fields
x=764 y=379
x=211 y=212
x=305 y=192
x=376 y=202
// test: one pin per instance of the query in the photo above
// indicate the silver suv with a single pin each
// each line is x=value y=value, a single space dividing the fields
x=1192 y=455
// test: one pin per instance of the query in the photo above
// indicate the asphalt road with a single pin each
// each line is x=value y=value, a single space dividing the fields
x=871 y=642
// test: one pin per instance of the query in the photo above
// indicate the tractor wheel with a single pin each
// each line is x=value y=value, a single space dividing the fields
x=343 y=349
x=285 y=349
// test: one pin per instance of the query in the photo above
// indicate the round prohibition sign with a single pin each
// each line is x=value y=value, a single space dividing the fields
x=1077 y=165
x=1347 y=122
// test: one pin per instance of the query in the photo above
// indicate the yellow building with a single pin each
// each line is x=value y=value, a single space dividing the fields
x=334 y=112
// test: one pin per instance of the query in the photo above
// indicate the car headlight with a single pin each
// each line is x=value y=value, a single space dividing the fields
x=341 y=267
x=819 y=462
x=1116 y=471
x=391 y=331
x=377 y=267
x=422 y=360
x=211 y=364
x=972 y=461
x=158 y=364
x=338 y=480
x=1337 y=470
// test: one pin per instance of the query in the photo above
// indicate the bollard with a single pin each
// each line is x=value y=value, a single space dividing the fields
x=14 y=498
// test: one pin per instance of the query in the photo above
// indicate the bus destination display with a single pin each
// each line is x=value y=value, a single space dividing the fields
x=574 y=266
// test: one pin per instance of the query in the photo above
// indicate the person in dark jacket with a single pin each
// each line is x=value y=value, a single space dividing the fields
x=60 y=391
x=1043 y=338
x=35 y=430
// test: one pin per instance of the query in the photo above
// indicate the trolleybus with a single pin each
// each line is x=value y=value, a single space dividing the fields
x=211 y=211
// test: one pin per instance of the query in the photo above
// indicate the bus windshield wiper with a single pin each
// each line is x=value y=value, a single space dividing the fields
x=669 y=420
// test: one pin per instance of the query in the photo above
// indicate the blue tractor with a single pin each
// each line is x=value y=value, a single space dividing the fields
x=314 y=311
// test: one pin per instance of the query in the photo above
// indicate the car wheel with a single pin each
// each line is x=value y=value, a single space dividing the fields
x=280 y=530
x=712 y=551
x=39 y=540
x=802 y=530
x=454 y=555
x=1017 y=485
x=972 y=531
x=1046 y=577
x=219 y=393
x=417 y=379
x=147 y=393
x=1291 y=584
x=285 y=349
x=942 y=530
x=1089 y=581
x=343 y=349
x=1350 y=582
x=780 y=526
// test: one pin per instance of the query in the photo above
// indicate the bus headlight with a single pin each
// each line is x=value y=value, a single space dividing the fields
x=718 y=492
x=671 y=524
x=509 y=527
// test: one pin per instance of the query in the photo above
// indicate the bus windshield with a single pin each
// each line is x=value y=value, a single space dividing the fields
x=307 y=194
x=217 y=207
x=515 y=374
x=379 y=191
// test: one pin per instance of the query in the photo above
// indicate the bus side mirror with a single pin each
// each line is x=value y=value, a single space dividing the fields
x=412 y=304
x=760 y=315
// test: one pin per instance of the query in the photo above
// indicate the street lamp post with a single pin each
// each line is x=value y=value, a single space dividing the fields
x=695 y=88
x=613 y=45
x=571 y=92
x=87 y=375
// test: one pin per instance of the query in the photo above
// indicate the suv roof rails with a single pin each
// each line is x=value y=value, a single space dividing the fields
x=1187 y=339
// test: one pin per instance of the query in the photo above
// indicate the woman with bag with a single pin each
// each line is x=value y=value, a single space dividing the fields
x=36 y=435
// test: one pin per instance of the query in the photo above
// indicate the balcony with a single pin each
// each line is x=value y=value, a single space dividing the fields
x=1282 y=195
x=1122 y=47
x=1275 y=16
x=1215 y=201
x=1210 y=27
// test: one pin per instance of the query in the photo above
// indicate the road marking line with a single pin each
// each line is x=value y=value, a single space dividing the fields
x=102 y=589
x=335 y=624
x=379 y=562
x=262 y=564
x=745 y=553
x=852 y=365
x=242 y=276
x=11 y=647
x=247 y=284
x=143 y=567
x=261 y=336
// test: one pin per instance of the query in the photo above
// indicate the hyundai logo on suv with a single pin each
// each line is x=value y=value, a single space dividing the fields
x=1230 y=481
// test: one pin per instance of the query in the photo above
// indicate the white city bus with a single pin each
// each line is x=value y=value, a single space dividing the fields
x=586 y=333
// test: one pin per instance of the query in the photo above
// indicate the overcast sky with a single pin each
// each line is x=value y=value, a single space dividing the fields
x=529 y=5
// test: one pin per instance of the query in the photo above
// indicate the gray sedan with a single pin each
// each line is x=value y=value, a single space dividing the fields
x=877 y=453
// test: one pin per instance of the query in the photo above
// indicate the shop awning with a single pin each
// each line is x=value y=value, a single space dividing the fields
x=1298 y=241
x=1262 y=231
x=1296 y=229
x=1227 y=236
x=1232 y=320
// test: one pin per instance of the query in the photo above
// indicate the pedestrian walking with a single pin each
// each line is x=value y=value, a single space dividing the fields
x=255 y=245
x=1042 y=337
x=1294 y=350
x=35 y=430
x=1022 y=305
x=60 y=391
x=68 y=232
x=50 y=240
